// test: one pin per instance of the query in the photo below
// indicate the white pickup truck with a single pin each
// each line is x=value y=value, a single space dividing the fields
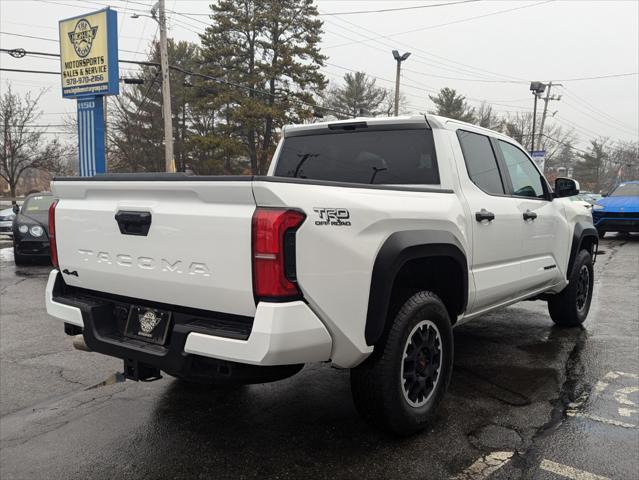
x=364 y=245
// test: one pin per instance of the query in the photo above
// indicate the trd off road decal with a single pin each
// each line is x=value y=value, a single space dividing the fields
x=337 y=217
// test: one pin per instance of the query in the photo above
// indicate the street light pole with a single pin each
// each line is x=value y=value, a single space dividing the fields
x=399 y=59
x=537 y=88
x=166 y=89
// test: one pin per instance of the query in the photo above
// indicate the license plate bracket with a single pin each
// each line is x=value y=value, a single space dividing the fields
x=148 y=324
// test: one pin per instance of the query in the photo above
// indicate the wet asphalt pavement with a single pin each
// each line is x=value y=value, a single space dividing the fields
x=527 y=400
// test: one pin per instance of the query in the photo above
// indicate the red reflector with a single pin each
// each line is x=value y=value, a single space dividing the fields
x=269 y=269
x=52 y=242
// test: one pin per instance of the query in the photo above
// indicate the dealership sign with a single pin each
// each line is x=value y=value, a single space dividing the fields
x=89 y=54
x=89 y=67
x=539 y=157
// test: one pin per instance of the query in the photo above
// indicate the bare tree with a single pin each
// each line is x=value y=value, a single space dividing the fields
x=519 y=127
x=23 y=144
x=387 y=107
x=486 y=117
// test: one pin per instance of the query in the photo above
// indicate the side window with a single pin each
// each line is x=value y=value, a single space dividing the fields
x=524 y=176
x=481 y=162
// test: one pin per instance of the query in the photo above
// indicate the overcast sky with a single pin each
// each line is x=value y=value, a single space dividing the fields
x=488 y=50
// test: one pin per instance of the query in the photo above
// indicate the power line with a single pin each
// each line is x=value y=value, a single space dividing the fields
x=30 y=36
x=467 y=19
x=612 y=75
x=46 y=39
x=383 y=10
x=185 y=15
x=440 y=63
x=564 y=143
x=462 y=79
x=601 y=119
x=18 y=70
x=583 y=130
x=596 y=110
x=195 y=74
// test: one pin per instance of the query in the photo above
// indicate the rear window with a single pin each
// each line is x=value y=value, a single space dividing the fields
x=626 y=190
x=371 y=157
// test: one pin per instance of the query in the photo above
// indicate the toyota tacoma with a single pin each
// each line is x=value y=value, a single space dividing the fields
x=368 y=240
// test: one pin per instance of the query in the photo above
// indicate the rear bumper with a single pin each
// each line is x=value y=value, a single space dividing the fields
x=279 y=334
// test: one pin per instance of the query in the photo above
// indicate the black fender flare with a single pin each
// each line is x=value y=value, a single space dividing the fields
x=582 y=230
x=399 y=248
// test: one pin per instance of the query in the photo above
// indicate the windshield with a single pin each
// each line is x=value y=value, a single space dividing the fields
x=626 y=190
x=38 y=203
x=371 y=157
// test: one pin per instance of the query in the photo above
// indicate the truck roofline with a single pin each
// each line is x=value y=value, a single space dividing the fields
x=405 y=121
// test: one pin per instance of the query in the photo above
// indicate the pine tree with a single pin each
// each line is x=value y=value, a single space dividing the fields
x=136 y=129
x=268 y=52
x=452 y=105
x=593 y=167
x=357 y=96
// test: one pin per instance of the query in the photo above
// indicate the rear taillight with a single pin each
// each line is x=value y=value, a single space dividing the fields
x=52 y=242
x=274 y=275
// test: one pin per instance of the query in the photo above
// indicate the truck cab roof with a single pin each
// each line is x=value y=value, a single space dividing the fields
x=384 y=123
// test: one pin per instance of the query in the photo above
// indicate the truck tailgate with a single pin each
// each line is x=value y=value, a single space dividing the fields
x=196 y=253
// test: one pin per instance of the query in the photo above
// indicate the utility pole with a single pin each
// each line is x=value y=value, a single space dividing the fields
x=399 y=59
x=166 y=88
x=547 y=99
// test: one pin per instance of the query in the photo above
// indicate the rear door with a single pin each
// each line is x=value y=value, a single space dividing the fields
x=196 y=252
x=496 y=223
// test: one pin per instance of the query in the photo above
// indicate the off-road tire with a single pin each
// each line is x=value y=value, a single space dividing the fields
x=379 y=391
x=570 y=307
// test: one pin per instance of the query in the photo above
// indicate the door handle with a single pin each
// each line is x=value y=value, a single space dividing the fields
x=528 y=215
x=484 y=214
x=133 y=223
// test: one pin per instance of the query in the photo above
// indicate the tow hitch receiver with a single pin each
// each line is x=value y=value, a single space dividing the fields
x=140 y=372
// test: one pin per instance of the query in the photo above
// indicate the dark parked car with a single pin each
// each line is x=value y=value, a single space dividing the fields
x=31 y=228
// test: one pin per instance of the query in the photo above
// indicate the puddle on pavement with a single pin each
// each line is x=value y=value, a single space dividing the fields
x=6 y=254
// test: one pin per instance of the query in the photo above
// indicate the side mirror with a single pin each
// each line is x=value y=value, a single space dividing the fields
x=566 y=187
x=16 y=209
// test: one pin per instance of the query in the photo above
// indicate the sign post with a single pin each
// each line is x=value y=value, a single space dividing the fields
x=91 y=135
x=539 y=157
x=89 y=66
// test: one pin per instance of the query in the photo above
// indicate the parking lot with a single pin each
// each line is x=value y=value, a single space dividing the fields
x=527 y=400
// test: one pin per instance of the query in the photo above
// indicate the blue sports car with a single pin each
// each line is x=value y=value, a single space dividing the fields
x=618 y=212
